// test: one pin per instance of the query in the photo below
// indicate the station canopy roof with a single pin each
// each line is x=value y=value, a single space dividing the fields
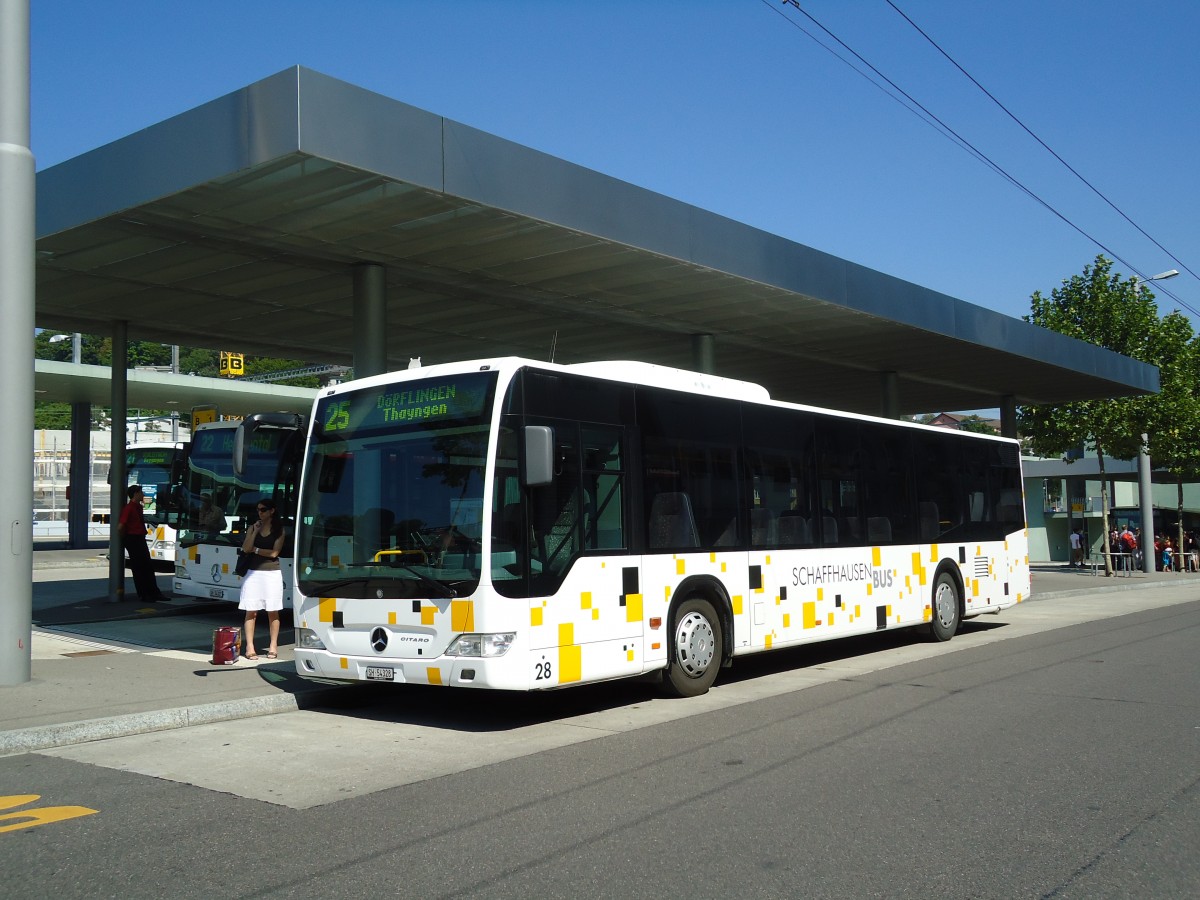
x=237 y=226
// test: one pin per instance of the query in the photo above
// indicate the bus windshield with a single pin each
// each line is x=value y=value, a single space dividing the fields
x=392 y=504
x=219 y=503
x=152 y=468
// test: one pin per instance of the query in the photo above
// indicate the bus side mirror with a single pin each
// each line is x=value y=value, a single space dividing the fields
x=538 y=459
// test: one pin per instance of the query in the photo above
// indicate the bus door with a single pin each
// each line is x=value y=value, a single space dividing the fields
x=562 y=543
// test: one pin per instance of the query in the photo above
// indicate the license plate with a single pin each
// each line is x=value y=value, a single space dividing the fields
x=380 y=673
x=216 y=593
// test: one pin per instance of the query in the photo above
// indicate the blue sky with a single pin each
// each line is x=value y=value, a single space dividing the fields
x=727 y=105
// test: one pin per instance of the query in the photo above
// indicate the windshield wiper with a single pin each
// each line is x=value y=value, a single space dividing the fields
x=442 y=589
x=329 y=586
x=445 y=590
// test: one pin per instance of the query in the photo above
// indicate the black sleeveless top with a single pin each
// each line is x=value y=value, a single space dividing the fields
x=266 y=542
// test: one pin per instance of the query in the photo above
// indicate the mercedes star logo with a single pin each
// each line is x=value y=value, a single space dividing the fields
x=378 y=640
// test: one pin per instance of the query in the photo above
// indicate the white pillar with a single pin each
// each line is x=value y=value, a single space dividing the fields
x=1146 y=502
x=17 y=245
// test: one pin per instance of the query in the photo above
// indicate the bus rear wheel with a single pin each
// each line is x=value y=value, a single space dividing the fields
x=947 y=612
x=696 y=648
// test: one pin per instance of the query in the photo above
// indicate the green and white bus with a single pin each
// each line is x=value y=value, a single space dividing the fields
x=157 y=467
x=519 y=525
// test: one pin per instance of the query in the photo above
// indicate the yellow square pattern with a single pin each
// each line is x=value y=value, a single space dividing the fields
x=462 y=615
x=633 y=607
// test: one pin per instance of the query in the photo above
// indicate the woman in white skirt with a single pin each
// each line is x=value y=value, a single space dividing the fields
x=262 y=586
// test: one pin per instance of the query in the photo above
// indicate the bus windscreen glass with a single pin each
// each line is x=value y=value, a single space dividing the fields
x=392 y=504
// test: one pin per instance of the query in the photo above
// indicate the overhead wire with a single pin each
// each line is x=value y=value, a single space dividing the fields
x=1047 y=147
x=914 y=106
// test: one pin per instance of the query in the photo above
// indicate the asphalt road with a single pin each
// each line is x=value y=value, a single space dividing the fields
x=1056 y=762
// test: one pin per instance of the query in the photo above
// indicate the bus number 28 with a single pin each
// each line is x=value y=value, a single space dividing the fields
x=542 y=670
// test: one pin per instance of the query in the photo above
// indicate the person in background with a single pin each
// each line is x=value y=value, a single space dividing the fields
x=1076 y=549
x=262 y=586
x=132 y=528
x=211 y=518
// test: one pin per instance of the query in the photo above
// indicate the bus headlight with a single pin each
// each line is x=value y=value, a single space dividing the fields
x=181 y=571
x=481 y=644
x=306 y=639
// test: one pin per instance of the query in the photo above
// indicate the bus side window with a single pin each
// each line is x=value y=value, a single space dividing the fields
x=603 y=488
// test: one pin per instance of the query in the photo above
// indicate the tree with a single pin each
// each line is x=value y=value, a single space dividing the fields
x=1120 y=315
x=1174 y=413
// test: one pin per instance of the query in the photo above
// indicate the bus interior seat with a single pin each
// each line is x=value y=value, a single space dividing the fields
x=927 y=514
x=793 y=529
x=879 y=530
x=829 y=530
x=1011 y=507
x=763 y=532
x=671 y=521
x=728 y=536
x=851 y=525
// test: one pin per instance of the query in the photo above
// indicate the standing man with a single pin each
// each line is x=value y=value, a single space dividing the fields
x=132 y=528
x=1076 y=549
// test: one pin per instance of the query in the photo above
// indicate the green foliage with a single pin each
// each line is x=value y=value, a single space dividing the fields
x=1102 y=309
x=262 y=365
x=977 y=424
x=51 y=416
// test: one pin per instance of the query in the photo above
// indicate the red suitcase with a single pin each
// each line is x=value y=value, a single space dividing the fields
x=225 y=646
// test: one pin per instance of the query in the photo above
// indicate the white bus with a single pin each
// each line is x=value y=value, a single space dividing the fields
x=220 y=492
x=519 y=525
x=157 y=468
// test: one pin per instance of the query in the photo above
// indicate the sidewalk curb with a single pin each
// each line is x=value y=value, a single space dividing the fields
x=46 y=737
x=1103 y=589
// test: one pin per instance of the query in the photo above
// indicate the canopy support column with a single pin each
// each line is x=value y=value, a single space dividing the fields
x=704 y=353
x=370 y=320
x=117 y=471
x=889 y=395
x=1008 y=416
x=79 y=479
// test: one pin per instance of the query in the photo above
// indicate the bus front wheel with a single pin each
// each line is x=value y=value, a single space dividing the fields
x=947 y=614
x=696 y=648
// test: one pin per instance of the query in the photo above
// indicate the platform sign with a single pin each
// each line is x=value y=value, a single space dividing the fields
x=202 y=415
x=232 y=365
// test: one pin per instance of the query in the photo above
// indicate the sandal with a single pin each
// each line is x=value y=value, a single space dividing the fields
x=271 y=654
x=251 y=656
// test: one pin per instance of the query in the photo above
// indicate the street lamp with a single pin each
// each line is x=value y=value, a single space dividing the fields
x=1145 y=487
x=1137 y=282
x=77 y=338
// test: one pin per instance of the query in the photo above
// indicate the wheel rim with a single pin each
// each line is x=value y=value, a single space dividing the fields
x=945 y=604
x=694 y=644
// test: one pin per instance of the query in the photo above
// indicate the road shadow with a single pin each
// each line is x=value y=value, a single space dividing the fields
x=480 y=711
